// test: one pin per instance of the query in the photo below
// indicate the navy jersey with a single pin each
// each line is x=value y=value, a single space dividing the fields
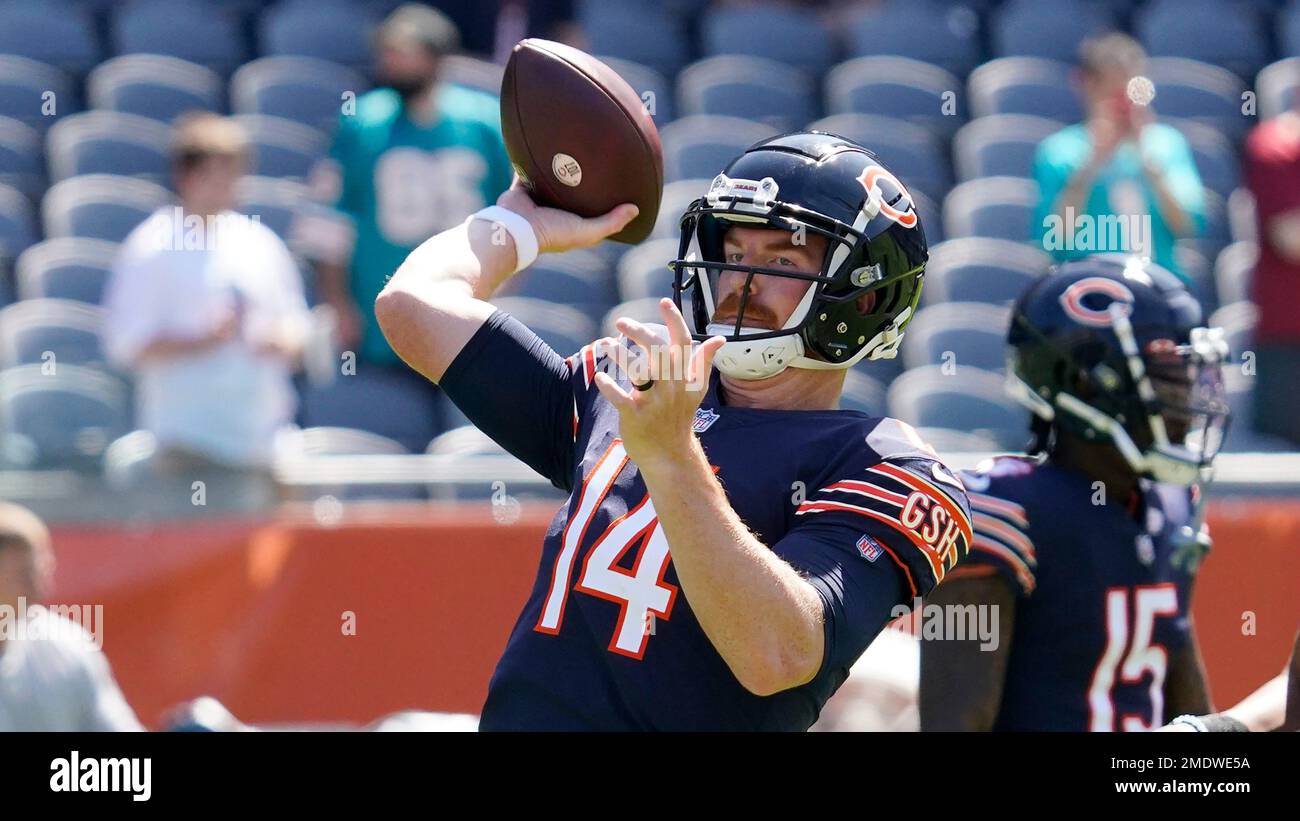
x=607 y=640
x=1101 y=604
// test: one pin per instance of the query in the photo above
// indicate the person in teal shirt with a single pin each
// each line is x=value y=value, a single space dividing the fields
x=1117 y=182
x=415 y=158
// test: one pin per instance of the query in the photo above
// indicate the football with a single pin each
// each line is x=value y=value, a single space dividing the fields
x=579 y=136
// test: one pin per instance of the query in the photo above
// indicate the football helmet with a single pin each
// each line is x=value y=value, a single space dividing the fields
x=1112 y=348
x=823 y=184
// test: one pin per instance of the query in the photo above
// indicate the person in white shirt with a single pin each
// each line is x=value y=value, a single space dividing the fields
x=205 y=307
x=53 y=676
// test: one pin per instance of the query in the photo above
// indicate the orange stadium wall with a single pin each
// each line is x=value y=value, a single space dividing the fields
x=253 y=612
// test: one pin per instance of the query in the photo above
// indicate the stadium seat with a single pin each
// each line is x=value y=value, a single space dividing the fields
x=1219 y=32
x=410 y=410
x=931 y=218
x=653 y=88
x=1190 y=90
x=642 y=310
x=1032 y=28
x=1278 y=83
x=50 y=331
x=465 y=440
x=282 y=148
x=1233 y=271
x=99 y=206
x=17 y=224
x=55 y=33
x=563 y=328
x=643 y=271
x=1214 y=155
x=67 y=268
x=60 y=419
x=1000 y=145
x=1288 y=29
x=275 y=202
x=911 y=152
x=22 y=165
x=921 y=93
x=936 y=32
x=789 y=34
x=471 y=72
x=976 y=269
x=195 y=31
x=154 y=86
x=1241 y=216
x=34 y=93
x=1024 y=85
x=332 y=30
x=968 y=400
x=677 y=198
x=302 y=89
x=862 y=393
x=108 y=142
x=996 y=207
x=581 y=279
x=1197 y=274
x=958 y=335
x=700 y=146
x=1217 y=234
x=754 y=88
x=642 y=32
x=332 y=441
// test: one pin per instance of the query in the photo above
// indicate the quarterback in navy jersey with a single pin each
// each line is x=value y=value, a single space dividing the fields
x=1090 y=545
x=732 y=542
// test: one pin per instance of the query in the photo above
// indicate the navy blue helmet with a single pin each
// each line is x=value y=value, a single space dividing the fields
x=1112 y=348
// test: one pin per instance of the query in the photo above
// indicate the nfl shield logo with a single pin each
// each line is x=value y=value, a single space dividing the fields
x=869 y=548
x=704 y=419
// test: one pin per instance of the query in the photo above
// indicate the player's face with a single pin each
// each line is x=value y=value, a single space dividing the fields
x=772 y=299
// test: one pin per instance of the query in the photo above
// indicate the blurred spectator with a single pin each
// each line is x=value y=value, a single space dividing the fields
x=1118 y=182
x=205 y=307
x=53 y=676
x=415 y=158
x=1272 y=160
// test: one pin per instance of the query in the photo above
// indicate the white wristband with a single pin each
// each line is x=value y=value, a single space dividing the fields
x=519 y=229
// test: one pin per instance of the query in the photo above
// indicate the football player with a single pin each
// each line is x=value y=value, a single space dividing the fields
x=1088 y=547
x=732 y=541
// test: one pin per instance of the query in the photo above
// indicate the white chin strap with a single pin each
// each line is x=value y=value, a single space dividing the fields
x=764 y=358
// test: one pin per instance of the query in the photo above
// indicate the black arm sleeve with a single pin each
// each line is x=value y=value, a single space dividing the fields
x=517 y=390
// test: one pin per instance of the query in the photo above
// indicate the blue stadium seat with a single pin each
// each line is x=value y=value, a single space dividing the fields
x=1216 y=159
x=996 y=207
x=969 y=400
x=862 y=393
x=931 y=217
x=17 y=224
x=1233 y=271
x=1207 y=94
x=275 y=202
x=154 y=86
x=334 y=31
x=337 y=441
x=701 y=145
x=642 y=310
x=1032 y=28
x=1000 y=145
x=99 y=206
x=302 y=89
x=1024 y=85
x=911 y=152
x=1278 y=84
x=34 y=93
x=410 y=410
x=108 y=142
x=975 y=269
x=580 y=279
x=643 y=271
x=60 y=35
x=194 y=31
x=1218 y=233
x=67 y=268
x=678 y=195
x=22 y=164
x=1288 y=29
x=754 y=88
x=57 y=332
x=653 y=88
x=282 y=148
x=63 y=419
x=471 y=72
x=1198 y=274
x=1219 y=32
x=936 y=32
x=791 y=35
x=638 y=30
x=563 y=328
x=958 y=335
x=911 y=90
x=1241 y=216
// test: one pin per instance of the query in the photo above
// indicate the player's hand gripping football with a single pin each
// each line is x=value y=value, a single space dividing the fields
x=559 y=230
x=669 y=382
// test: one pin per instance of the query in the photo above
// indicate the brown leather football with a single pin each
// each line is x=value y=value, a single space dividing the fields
x=579 y=135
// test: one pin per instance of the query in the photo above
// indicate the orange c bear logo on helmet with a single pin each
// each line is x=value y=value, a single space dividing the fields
x=870 y=179
x=1072 y=300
